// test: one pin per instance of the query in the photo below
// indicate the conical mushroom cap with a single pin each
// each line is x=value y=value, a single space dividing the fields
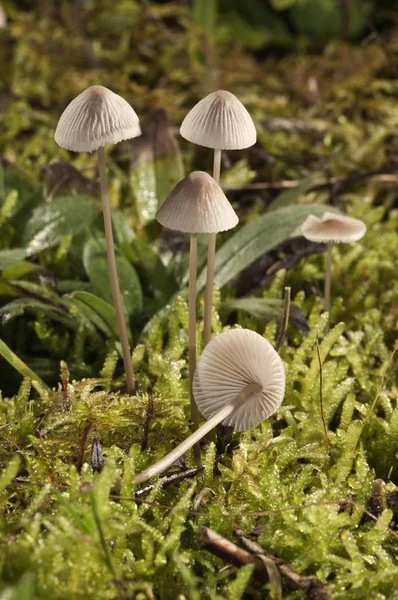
x=197 y=205
x=219 y=121
x=333 y=227
x=95 y=118
x=230 y=362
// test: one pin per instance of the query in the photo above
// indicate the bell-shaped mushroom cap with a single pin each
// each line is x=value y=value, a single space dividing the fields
x=219 y=121
x=95 y=118
x=230 y=362
x=333 y=227
x=197 y=204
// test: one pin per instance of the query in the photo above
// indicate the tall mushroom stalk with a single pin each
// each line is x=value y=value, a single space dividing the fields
x=95 y=118
x=239 y=380
x=196 y=205
x=218 y=121
x=332 y=228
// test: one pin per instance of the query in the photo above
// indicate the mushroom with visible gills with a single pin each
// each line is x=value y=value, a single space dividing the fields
x=218 y=121
x=93 y=119
x=239 y=380
x=332 y=228
x=196 y=205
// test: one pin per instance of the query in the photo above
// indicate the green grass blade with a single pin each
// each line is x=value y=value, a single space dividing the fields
x=18 y=364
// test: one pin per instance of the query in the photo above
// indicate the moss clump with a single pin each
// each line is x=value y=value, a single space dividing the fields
x=68 y=532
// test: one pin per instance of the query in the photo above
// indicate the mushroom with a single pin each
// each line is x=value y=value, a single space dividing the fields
x=94 y=118
x=332 y=228
x=239 y=380
x=196 y=205
x=218 y=121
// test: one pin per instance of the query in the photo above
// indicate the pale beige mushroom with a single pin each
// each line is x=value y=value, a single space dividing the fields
x=93 y=119
x=332 y=228
x=218 y=121
x=196 y=205
x=239 y=380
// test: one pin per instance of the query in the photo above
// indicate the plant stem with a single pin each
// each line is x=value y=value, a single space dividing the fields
x=211 y=252
x=117 y=298
x=285 y=319
x=18 y=364
x=197 y=435
x=328 y=278
x=193 y=251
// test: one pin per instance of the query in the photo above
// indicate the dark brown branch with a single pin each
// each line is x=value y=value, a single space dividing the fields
x=313 y=588
x=175 y=478
x=230 y=552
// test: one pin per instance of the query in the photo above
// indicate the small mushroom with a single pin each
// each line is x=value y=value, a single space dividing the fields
x=332 y=228
x=93 y=119
x=218 y=121
x=196 y=205
x=239 y=380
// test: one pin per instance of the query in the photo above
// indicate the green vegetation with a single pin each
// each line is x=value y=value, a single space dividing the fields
x=72 y=523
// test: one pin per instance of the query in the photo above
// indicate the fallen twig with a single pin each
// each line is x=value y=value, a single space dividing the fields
x=313 y=588
x=267 y=568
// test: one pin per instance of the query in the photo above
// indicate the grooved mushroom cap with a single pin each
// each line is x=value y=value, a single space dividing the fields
x=219 y=121
x=333 y=227
x=230 y=362
x=95 y=118
x=197 y=205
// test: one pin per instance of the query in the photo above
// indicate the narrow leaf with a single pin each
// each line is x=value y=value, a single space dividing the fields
x=17 y=363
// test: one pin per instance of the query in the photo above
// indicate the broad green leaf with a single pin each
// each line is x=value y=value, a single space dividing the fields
x=97 y=311
x=291 y=195
x=169 y=172
x=17 y=363
x=18 y=307
x=19 y=269
x=255 y=239
x=37 y=291
x=143 y=179
x=51 y=223
x=266 y=309
x=96 y=264
x=152 y=270
x=261 y=308
x=10 y=257
x=121 y=229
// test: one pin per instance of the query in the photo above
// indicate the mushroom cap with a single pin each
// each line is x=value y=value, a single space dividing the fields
x=219 y=121
x=333 y=227
x=96 y=117
x=230 y=362
x=197 y=204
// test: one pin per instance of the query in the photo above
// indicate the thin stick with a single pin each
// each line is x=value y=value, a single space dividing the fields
x=328 y=280
x=211 y=253
x=267 y=568
x=193 y=252
x=325 y=431
x=117 y=298
x=285 y=319
x=197 y=435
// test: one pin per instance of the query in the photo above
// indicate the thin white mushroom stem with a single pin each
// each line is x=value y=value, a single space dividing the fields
x=117 y=298
x=195 y=437
x=211 y=252
x=193 y=252
x=328 y=279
